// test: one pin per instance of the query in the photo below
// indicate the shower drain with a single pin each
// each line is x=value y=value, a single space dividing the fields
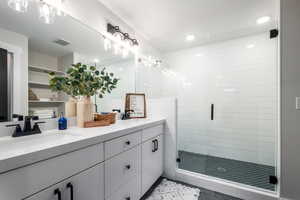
x=221 y=169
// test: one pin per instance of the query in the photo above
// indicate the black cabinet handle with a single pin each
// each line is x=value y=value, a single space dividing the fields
x=127 y=198
x=153 y=146
x=128 y=167
x=212 y=111
x=70 y=186
x=127 y=142
x=58 y=193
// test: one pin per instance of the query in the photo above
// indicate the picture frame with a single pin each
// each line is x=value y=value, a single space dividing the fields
x=137 y=103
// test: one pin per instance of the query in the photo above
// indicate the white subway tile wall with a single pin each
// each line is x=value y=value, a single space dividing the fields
x=242 y=83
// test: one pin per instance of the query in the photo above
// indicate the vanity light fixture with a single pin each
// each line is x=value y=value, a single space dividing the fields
x=107 y=43
x=48 y=9
x=47 y=13
x=199 y=55
x=190 y=38
x=19 y=5
x=250 y=46
x=263 y=20
x=124 y=41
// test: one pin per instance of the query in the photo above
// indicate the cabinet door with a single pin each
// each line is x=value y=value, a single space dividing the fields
x=152 y=162
x=88 y=184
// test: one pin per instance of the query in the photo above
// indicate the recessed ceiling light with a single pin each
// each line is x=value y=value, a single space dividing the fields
x=199 y=55
x=96 y=60
x=263 y=20
x=250 y=46
x=190 y=38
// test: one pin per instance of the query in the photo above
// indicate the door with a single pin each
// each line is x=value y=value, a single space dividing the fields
x=152 y=162
x=86 y=185
x=228 y=114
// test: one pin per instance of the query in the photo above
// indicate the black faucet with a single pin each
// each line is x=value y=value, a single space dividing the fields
x=27 y=130
x=126 y=115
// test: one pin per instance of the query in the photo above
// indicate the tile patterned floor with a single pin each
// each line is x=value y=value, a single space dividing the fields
x=233 y=170
x=170 y=190
x=204 y=193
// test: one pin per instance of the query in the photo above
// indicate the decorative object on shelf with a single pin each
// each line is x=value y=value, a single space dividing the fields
x=136 y=104
x=32 y=96
x=70 y=107
x=82 y=82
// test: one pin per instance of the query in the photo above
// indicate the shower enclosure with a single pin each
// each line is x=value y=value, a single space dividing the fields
x=228 y=109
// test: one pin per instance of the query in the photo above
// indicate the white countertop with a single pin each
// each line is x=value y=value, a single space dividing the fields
x=22 y=151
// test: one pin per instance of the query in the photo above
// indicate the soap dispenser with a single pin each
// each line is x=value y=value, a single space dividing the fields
x=62 y=122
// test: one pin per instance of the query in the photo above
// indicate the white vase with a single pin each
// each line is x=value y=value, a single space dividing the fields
x=84 y=111
x=71 y=107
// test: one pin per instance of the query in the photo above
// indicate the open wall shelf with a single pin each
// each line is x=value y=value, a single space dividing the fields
x=45 y=70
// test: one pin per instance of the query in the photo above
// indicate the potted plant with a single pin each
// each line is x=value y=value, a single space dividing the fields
x=81 y=82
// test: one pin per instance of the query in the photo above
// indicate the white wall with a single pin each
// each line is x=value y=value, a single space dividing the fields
x=19 y=44
x=290 y=85
x=149 y=80
x=242 y=83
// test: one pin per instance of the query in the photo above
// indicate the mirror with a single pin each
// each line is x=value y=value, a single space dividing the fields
x=30 y=49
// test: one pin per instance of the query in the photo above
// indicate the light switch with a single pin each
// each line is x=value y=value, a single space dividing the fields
x=298 y=103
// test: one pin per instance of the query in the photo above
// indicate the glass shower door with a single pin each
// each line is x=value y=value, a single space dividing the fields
x=228 y=117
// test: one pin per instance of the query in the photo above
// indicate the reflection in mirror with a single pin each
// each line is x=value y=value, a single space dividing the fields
x=34 y=49
x=125 y=70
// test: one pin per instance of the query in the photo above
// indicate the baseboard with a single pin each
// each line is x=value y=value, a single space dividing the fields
x=220 y=186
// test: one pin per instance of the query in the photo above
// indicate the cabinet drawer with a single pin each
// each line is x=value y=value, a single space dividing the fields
x=87 y=185
x=149 y=133
x=121 y=144
x=121 y=169
x=22 y=182
x=129 y=191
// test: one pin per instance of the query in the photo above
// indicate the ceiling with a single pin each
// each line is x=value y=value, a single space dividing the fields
x=83 y=40
x=165 y=23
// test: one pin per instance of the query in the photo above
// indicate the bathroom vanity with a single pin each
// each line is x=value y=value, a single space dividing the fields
x=118 y=162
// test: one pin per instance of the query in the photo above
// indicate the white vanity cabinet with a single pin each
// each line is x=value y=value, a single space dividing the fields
x=88 y=184
x=24 y=182
x=121 y=168
x=152 y=162
x=134 y=163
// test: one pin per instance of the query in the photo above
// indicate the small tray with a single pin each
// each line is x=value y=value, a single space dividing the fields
x=91 y=124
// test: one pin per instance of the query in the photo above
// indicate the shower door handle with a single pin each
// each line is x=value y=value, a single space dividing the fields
x=212 y=111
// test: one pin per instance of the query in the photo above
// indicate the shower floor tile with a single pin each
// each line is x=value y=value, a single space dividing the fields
x=238 y=171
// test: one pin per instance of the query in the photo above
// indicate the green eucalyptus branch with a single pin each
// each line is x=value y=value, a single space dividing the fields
x=83 y=80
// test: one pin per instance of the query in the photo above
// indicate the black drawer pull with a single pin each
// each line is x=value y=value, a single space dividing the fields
x=70 y=186
x=127 y=198
x=153 y=146
x=128 y=142
x=212 y=112
x=58 y=193
x=128 y=167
